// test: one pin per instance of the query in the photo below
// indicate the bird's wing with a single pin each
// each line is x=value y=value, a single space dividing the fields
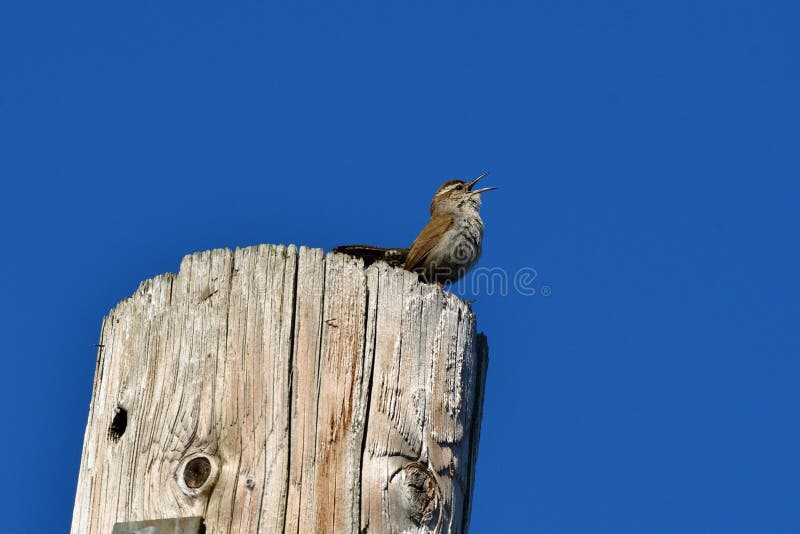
x=426 y=240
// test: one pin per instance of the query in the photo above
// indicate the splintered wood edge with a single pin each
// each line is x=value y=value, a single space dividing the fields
x=170 y=276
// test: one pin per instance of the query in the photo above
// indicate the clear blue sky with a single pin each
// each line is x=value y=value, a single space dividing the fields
x=647 y=156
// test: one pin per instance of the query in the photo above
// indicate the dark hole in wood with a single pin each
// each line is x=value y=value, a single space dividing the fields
x=196 y=472
x=118 y=424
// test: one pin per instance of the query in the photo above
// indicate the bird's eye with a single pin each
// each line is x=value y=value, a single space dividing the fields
x=459 y=187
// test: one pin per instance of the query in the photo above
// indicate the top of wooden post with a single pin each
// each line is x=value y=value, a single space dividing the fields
x=272 y=389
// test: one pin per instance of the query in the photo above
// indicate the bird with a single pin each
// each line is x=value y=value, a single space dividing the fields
x=447 y=246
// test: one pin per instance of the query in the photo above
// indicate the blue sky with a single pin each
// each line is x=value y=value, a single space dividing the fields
x=647 y=159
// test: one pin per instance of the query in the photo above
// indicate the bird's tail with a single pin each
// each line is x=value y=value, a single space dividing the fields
x=370 y=254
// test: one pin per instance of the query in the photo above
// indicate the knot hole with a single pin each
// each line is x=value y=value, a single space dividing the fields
x=197 y=474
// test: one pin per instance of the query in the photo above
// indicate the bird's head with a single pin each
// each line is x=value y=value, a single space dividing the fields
x=455 y=195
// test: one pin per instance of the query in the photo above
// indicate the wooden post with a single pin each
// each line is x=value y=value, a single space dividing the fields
x=273 y=390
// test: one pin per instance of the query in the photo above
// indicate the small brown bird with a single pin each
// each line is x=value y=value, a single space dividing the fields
x=448 y=246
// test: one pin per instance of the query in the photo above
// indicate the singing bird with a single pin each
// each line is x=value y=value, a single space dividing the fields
x=448 y=246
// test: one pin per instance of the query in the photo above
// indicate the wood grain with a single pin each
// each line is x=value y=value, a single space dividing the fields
x=272 y=389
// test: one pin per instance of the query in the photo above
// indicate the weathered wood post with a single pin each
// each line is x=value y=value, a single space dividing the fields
x=274 y=390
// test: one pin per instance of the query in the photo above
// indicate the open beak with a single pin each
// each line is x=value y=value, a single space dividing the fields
x=475 y=181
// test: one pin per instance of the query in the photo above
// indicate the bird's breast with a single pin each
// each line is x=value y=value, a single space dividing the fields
x=460 y=246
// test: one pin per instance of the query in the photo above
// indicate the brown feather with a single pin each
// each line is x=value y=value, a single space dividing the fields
x=429 y=237
x=451 y=182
